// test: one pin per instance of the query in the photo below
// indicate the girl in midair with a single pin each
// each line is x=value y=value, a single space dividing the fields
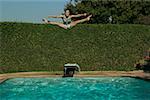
x=67 y=22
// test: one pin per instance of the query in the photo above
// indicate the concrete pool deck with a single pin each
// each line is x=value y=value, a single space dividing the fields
x=136 y=74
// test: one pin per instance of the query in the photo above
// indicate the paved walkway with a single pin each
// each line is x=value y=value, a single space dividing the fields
x=138 y=74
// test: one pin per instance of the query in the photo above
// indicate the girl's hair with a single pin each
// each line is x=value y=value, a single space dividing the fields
x=67 y=9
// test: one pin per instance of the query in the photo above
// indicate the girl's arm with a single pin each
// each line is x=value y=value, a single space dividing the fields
x=60 y=16
x=79 y=15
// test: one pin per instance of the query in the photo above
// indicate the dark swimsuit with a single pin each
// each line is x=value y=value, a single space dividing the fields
x=66 y=20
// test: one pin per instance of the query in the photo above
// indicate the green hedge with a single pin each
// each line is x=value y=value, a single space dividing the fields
x=41 y=47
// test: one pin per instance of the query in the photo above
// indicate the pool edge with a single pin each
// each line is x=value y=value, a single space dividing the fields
x=133 y=74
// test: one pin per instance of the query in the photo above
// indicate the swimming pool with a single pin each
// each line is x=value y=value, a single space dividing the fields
x=88 y=88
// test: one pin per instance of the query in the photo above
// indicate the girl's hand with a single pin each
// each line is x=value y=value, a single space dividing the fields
x=85 y=14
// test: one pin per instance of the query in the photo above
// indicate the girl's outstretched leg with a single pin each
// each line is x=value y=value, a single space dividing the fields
x=80 y=21
x=55 y=23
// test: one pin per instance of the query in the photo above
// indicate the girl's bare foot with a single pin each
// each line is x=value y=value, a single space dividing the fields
x=45 y=20
x=89 y=17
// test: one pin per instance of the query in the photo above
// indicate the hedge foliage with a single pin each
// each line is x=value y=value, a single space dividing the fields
x=41 y=47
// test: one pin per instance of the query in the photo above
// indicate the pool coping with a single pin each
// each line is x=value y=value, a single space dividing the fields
x=136 y=74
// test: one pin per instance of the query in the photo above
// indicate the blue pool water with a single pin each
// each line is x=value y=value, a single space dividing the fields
x=103 y=88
